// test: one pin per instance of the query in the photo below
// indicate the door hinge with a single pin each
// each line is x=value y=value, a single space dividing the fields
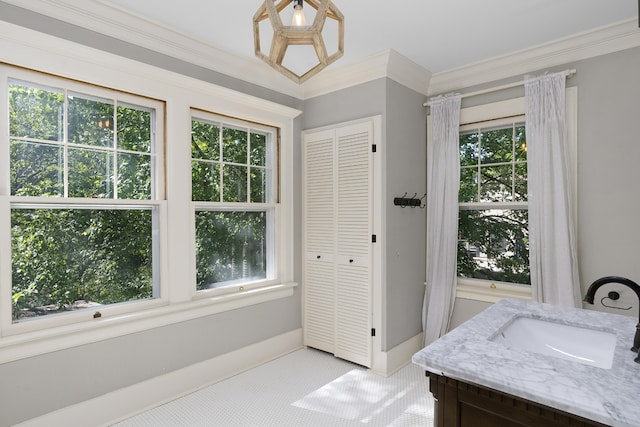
x=373 y=332
x=373 y=238
x=374 y=148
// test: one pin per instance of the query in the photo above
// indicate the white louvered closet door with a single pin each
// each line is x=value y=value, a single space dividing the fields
x=320 y=244
x=338 y=203
x=354 y=183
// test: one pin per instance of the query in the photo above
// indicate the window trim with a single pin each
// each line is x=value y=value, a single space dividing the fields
x=272 y=266
x=32 y=343
x=498 y=113
x=490 y=291
x=122 y=309
x=12 y=75
x=499 y=123
x=271 y=207
x=28 y=49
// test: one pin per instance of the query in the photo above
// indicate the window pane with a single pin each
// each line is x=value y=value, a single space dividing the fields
x=66 y=259
x=468 y=185
x=134 y=176
x=205 y=141
x=90 y=122
x=134 y=129
x=497 y=145
x=469 y=149
x=258 y=149
x=231 y=248
x=235 y=183
x=494 y=245
x=258 y=185
x=36 y=169
x=520 y=178
x=35 y=113
x=520 y=141
x=90 y=173
x=234 y=148
x=205 y=181
x=496 y=185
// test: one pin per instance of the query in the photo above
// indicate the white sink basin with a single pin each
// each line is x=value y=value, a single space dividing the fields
x=582 y=345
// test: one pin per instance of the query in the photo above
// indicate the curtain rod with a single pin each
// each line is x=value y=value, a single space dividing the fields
x=568 y=73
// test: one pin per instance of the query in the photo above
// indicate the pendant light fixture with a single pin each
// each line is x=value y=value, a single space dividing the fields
x=297 y=34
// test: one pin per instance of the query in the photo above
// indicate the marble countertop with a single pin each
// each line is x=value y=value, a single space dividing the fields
x=609 y=396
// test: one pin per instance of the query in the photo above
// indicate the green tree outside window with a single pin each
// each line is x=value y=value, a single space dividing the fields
x=66 y=145
x=493 y=239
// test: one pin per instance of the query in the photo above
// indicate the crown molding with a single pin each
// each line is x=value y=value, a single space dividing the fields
x=113 y=21
x=24 y=47
x=98 y=16
x=408 y=73
x=337 y=78
x=110 y=20
x=384 y=64
x=608 y=39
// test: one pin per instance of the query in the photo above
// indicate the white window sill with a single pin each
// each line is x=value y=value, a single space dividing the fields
x=31 y=344
x=487 y=291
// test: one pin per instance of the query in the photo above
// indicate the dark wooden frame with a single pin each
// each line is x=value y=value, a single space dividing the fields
x=460 y=404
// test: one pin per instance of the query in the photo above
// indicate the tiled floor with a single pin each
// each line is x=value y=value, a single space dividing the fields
x=304 y=388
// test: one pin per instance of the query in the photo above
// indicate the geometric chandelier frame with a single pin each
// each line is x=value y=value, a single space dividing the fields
x=290 y=35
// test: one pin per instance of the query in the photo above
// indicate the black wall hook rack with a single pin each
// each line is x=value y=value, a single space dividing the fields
x=412 y=202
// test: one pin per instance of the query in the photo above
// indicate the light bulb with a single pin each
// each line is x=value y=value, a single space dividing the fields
x=299 y=19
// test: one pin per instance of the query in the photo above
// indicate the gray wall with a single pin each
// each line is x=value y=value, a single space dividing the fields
x=464 y=309
x=608 y=172
x=356 y=102
x=406 y=155
x=404 y=140
x=37 y=385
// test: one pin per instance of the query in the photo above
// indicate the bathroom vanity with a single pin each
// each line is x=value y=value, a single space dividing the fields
x=527 y=364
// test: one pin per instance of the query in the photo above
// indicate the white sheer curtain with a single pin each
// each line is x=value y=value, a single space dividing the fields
x=443 y=182
x=553 y=256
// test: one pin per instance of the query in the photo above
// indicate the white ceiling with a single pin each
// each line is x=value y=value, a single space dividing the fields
x=438 y=35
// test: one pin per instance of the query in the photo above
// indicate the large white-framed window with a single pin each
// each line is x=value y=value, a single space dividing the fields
x=493 y=232
x=234 y=193
x=493 y=218
x=82 y=201
x=97 y=78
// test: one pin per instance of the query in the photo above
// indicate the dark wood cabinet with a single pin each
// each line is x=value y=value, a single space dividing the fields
x=460 y=404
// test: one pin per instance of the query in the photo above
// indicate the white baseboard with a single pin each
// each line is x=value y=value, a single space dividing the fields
x=387 y=363
x=126 y=402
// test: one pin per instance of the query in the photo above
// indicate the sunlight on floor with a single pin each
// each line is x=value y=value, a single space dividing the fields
x=365 y=397
x=304 y=388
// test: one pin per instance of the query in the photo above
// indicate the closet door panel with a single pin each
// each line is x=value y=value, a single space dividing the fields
x=319 y=240
x=321 y=256
x=353 y=260
x=353 y=314
x=319 y=193
x=320 y=305
x=337 y=205
x=353 y=188
x=354 y=225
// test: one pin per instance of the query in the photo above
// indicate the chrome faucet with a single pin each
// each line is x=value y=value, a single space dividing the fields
x=628 y=283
